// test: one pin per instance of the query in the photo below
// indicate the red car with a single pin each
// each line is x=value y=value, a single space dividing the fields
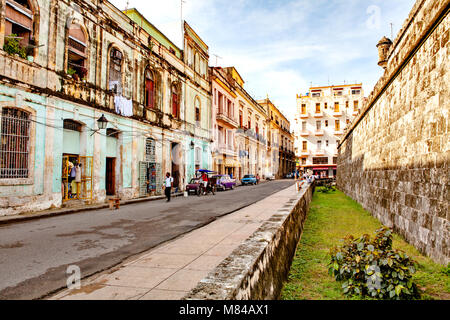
x=193 y=186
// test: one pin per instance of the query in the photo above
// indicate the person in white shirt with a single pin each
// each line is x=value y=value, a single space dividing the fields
x=168 y=184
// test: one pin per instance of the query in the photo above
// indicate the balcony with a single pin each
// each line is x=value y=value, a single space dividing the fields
x=319 y=132
x=227 y=150
x=304 y=153
x=305 y=133
x=22 y=70
x=355 y=112
x=337 y=113
x=319 y=152
x=318 y=114
x=304 y=115
x=338 y=132
x=226 y=119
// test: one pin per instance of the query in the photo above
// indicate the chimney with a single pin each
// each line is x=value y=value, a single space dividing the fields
x=383 y=49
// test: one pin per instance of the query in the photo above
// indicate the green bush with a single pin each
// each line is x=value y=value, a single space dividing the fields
x=12 y=46
x=369 y=267
x=327 y=188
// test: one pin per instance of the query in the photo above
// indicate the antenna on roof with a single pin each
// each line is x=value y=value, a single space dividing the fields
x=216 y=58
x=392 y=31
x=127 y=5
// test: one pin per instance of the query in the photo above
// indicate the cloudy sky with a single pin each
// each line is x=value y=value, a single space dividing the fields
x=281 y=47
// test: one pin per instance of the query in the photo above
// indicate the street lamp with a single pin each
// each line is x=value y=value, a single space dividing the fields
x=192 y=145
x=102 y=123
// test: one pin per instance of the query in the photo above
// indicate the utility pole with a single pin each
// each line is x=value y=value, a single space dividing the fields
x=181 y=17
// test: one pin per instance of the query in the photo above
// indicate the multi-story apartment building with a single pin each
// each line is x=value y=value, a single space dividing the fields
x=82 y=82
x=225 y=124
x=250 y=138
x=281 y=156
x=322 y=115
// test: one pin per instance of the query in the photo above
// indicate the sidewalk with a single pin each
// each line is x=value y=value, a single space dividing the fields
x=170 y=271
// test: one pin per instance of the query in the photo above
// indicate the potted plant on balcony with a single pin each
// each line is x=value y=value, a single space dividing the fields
x=30 y=50
x=12 y=46
x=70 y=72
x=83 y=74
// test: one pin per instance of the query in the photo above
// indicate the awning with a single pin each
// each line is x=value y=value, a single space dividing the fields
x=232 y=163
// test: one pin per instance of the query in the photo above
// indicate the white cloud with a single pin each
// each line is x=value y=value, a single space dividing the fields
x=279 y=46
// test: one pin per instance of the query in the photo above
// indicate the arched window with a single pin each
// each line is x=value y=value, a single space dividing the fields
x=115 y=71
x=15 y=144
x=175 y=101
x=19 y=21
x=149 y=89
x=197 y=110
x=77 y=52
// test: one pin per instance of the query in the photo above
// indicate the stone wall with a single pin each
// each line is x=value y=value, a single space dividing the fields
x=258 y=268
x=394 y=157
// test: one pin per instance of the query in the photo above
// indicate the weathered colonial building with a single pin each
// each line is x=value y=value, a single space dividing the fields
x=225 y=124
x=321 y=117
x=64 y=64
x=280 y=152
x=394 y=158
x=251 y=135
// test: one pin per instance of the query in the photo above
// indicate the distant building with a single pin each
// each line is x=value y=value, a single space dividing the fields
x=280 y=152
x=322 y=115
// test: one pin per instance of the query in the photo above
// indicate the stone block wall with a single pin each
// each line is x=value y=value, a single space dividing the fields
x=394 y=159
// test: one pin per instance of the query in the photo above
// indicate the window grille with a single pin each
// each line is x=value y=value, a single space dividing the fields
x=70 y=124
x=320 y=160
x=150 y=150
x=15 y=140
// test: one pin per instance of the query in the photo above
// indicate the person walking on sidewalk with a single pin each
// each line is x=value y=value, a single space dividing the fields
x=168 y=184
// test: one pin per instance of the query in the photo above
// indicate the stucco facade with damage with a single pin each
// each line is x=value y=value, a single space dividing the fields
x=85 y=59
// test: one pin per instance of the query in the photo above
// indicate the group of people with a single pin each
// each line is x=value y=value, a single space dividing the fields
x=72 y=188
x=310 y=177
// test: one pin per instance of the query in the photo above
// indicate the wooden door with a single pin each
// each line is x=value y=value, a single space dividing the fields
x=149 y=87
x=110 y=176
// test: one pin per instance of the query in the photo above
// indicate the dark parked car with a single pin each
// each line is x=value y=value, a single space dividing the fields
x=249 y=179
x=225 y=182
x=193 y=186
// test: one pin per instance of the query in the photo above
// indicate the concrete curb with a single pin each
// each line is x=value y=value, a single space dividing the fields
x=31 y=216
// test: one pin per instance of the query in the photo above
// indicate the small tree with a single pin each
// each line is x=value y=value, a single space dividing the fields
x=371 y=268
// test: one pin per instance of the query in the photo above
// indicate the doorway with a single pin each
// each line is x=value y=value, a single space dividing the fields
x=110 y=176
x=176 y=157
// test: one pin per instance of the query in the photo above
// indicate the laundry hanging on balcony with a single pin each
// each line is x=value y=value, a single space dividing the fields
x=123 y=106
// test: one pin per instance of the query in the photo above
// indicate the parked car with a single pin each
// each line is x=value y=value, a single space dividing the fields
x=193 y=186
x=270 y=177
x=289 y=176
x=248 y=179
x=225 y=182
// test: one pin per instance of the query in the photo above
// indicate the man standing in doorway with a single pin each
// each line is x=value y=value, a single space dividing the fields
x=168 y=184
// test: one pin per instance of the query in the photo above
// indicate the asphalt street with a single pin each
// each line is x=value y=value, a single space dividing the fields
x=34 y=255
